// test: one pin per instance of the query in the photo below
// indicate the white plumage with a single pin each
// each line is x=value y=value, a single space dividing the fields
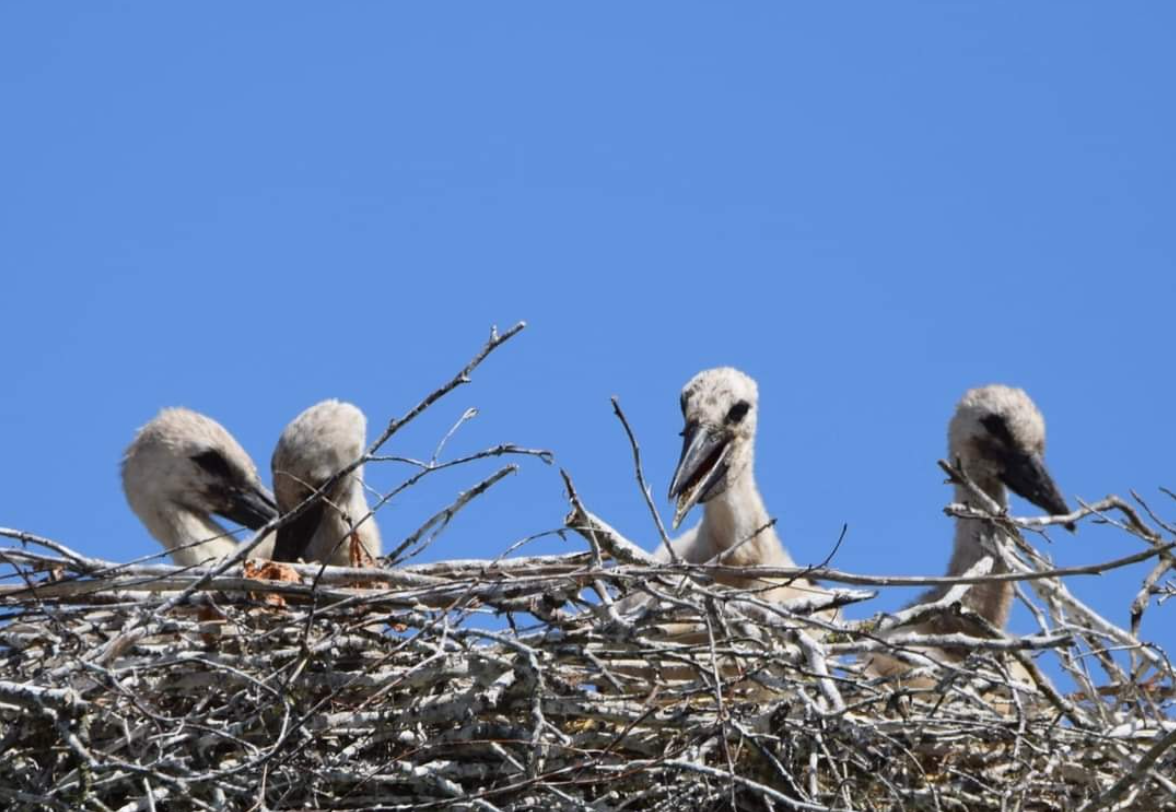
x=998 y=435
x=182 y=468
x=314 y=447
x=721 y=410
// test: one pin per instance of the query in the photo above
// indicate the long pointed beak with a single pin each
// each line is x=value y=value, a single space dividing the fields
x=294 y=537
x=1028 y=477
x=251 y=507
x=702 y=464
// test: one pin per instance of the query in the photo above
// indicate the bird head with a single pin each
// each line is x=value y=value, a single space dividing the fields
x=314 y=447
x=719 y=408
x=998 y=433
x=188 y=460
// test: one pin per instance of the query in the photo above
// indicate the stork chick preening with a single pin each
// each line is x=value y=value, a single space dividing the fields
x=182 y=468
x=998 y=436
x=317 y=445
x=720 y=409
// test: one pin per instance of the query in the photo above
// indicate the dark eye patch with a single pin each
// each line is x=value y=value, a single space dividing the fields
x=214 y=463
x=999 y=429
x=738 y=412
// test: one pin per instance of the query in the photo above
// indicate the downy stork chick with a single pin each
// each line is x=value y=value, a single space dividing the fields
x=720 y=409
x=182 y=468
x=998 y=435
x=316 y=445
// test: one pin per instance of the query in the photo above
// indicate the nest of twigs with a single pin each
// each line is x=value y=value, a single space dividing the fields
x=126 y=686
x=515 y=684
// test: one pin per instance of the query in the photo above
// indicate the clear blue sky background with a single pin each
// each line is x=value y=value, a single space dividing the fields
x=869 y=207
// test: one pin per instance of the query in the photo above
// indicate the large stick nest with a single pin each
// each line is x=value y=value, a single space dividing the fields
x=516 y=683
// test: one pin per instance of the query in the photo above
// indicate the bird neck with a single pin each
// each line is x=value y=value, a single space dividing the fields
x=192 y=537
x=993 y=600
x=738 y=514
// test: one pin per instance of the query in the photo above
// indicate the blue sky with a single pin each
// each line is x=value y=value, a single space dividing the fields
x=868 y=207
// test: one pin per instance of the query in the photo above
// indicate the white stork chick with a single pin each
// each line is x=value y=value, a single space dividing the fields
x=720 y=408
x=182 y=468
x=998 y=435
x=317 y=444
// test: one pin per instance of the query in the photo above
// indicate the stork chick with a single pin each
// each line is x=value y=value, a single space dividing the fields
x=182 y=468
x=317 y=444
x=720 y=409
x=998 y=435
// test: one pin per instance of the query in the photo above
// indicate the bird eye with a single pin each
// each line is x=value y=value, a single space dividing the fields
x=214 y=463
x=738 y=412
x=998 y=428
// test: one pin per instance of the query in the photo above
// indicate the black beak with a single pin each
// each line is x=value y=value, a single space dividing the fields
x=251 y=507
x=295 y=536
x=1028 y=477
x=701 y=467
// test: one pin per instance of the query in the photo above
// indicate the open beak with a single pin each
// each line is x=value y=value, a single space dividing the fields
x=251 y=507
x=701 y=466
x=1028 y=477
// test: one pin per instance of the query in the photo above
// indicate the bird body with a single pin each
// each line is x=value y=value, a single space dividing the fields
x=998 y=436
x=720 y=409
x=716 y=469
x=314 y=447
x=737 y=515
x=183 y=467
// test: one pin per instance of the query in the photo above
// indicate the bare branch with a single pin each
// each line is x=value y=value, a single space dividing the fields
x=645 y=492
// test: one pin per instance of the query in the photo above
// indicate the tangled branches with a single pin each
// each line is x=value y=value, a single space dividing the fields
x=516 y=683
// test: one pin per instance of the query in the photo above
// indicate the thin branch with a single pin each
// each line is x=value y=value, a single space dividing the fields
x=645 y=492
